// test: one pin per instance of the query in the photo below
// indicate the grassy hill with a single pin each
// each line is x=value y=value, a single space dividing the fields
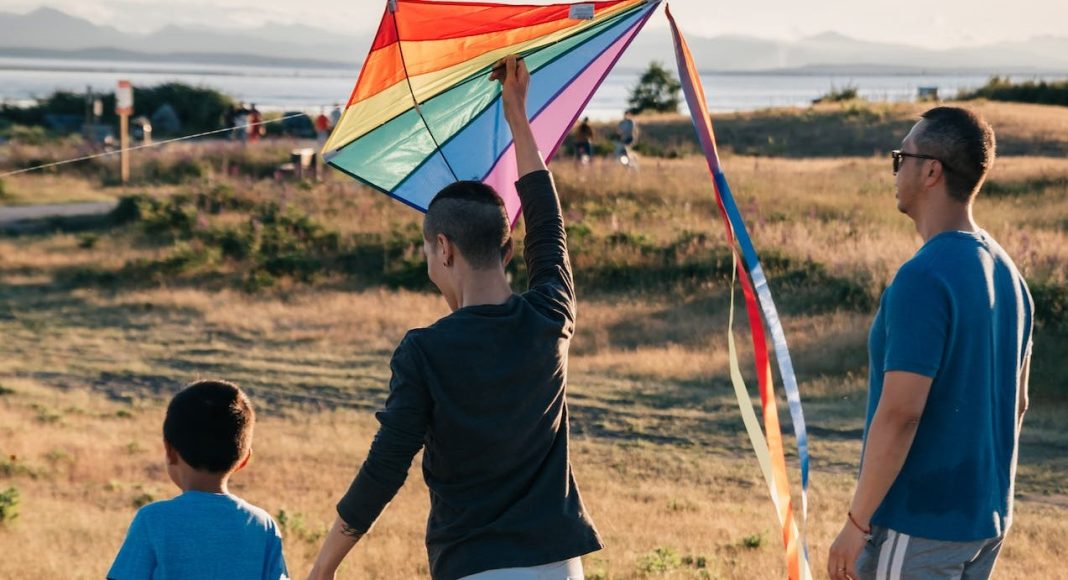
x=300 y=290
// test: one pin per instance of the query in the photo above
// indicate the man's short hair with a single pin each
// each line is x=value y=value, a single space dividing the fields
x=472 y=216
x=965 y=145
x=209 y=423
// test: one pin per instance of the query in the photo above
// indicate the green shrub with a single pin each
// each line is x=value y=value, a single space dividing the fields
x=9 y=505
x=753 y=541
x=657 y=90
x=840 y=95
x=142 y=499
x=294 y=526
x=659 y=561
x=1051 y=304
x=1003 y=89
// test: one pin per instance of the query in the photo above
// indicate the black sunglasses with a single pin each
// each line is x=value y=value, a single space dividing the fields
x=897 y=155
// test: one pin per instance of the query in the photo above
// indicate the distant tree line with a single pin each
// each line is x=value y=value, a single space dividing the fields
x=197 y=108
x=1038 y=92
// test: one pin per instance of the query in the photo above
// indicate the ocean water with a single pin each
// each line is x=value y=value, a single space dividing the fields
x=309 y=89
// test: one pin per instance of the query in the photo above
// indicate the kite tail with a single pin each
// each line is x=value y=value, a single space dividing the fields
x=769 y=450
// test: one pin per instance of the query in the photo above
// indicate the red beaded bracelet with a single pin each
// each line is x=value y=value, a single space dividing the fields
x=867 y=532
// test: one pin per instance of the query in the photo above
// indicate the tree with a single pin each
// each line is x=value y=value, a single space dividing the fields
x=657 y=90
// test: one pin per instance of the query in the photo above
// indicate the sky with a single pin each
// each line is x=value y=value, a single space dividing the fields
x=931 y=24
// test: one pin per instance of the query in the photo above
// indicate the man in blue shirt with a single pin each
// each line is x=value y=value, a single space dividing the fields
x=949 y=356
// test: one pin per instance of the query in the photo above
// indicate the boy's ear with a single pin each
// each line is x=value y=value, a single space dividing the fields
x=241 y=465
x=172 y=454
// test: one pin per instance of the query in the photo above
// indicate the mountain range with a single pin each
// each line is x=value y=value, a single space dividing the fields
x=50 y=33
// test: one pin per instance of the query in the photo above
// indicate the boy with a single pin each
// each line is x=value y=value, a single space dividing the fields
x=483 y=389
x=205 y=532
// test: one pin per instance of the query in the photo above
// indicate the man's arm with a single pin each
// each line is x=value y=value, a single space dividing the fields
x=545 y=244
x=890 y=436
x=1023 y=399
x=404 y=422
x=515 y=80
x=338 y=543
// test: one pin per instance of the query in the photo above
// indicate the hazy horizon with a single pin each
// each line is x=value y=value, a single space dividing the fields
x=942 y=25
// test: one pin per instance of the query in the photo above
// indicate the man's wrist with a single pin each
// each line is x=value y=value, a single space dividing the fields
x=863 y=528
x=515 y=115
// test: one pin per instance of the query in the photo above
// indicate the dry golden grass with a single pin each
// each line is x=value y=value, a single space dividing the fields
x=658 y=446
x=91 y=457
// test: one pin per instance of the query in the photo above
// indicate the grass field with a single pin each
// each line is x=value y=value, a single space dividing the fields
x=300 y=291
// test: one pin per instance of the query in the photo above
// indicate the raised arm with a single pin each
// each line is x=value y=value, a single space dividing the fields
x=514 y=83
x=545 y=245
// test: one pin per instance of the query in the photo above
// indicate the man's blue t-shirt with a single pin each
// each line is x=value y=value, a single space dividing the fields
x=958 y=312
x=201 y=535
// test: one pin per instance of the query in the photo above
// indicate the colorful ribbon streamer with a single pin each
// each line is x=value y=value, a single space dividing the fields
x=769 y=450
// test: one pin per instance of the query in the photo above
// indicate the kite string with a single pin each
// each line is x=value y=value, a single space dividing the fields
x=146 y=145
x=415 y=101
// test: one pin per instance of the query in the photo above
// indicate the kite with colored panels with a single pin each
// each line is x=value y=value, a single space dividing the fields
x=425 y=114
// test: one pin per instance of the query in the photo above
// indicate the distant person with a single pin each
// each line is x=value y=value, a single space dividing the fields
x=482 y=390
x=255 y=127
x=229 y=120
x=241 y=120
x=335 y=115
x=584 y=141
x=950 y=353
x=206 y=532
x=322 y=128
x=626 y=132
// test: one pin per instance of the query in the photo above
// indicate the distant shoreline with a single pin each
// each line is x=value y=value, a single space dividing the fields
x=144 y=62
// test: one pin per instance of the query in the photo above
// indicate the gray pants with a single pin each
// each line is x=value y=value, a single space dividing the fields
x=892 y=555
x=563 y=570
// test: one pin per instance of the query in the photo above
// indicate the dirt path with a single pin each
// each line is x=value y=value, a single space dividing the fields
x=20 y=216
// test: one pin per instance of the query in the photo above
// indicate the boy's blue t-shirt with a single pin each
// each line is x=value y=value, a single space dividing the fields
x=958 y=312
x=201 y=535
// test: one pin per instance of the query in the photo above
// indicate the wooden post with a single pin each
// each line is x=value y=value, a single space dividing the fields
x=124 y=108
x=124 y=144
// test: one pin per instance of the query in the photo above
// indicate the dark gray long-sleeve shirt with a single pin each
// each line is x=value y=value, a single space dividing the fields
x=483 y=389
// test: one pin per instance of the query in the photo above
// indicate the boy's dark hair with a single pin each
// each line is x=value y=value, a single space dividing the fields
x=472 y=216
x=209 y=423
x=965 y=144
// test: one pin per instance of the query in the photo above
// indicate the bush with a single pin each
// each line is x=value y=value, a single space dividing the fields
x=839 y=95
x=657 y=90
x=1051 y=304
x=659 y=561
x=9 y=505
x=293 y=525
x=26 y=135
x=1038 y=92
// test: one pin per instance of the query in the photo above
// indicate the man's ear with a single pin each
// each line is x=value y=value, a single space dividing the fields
x=509 y=252
x=446 y=251
x=935 y=173
x=172 y=454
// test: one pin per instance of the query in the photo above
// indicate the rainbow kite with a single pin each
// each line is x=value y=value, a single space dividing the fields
x=424 y=114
